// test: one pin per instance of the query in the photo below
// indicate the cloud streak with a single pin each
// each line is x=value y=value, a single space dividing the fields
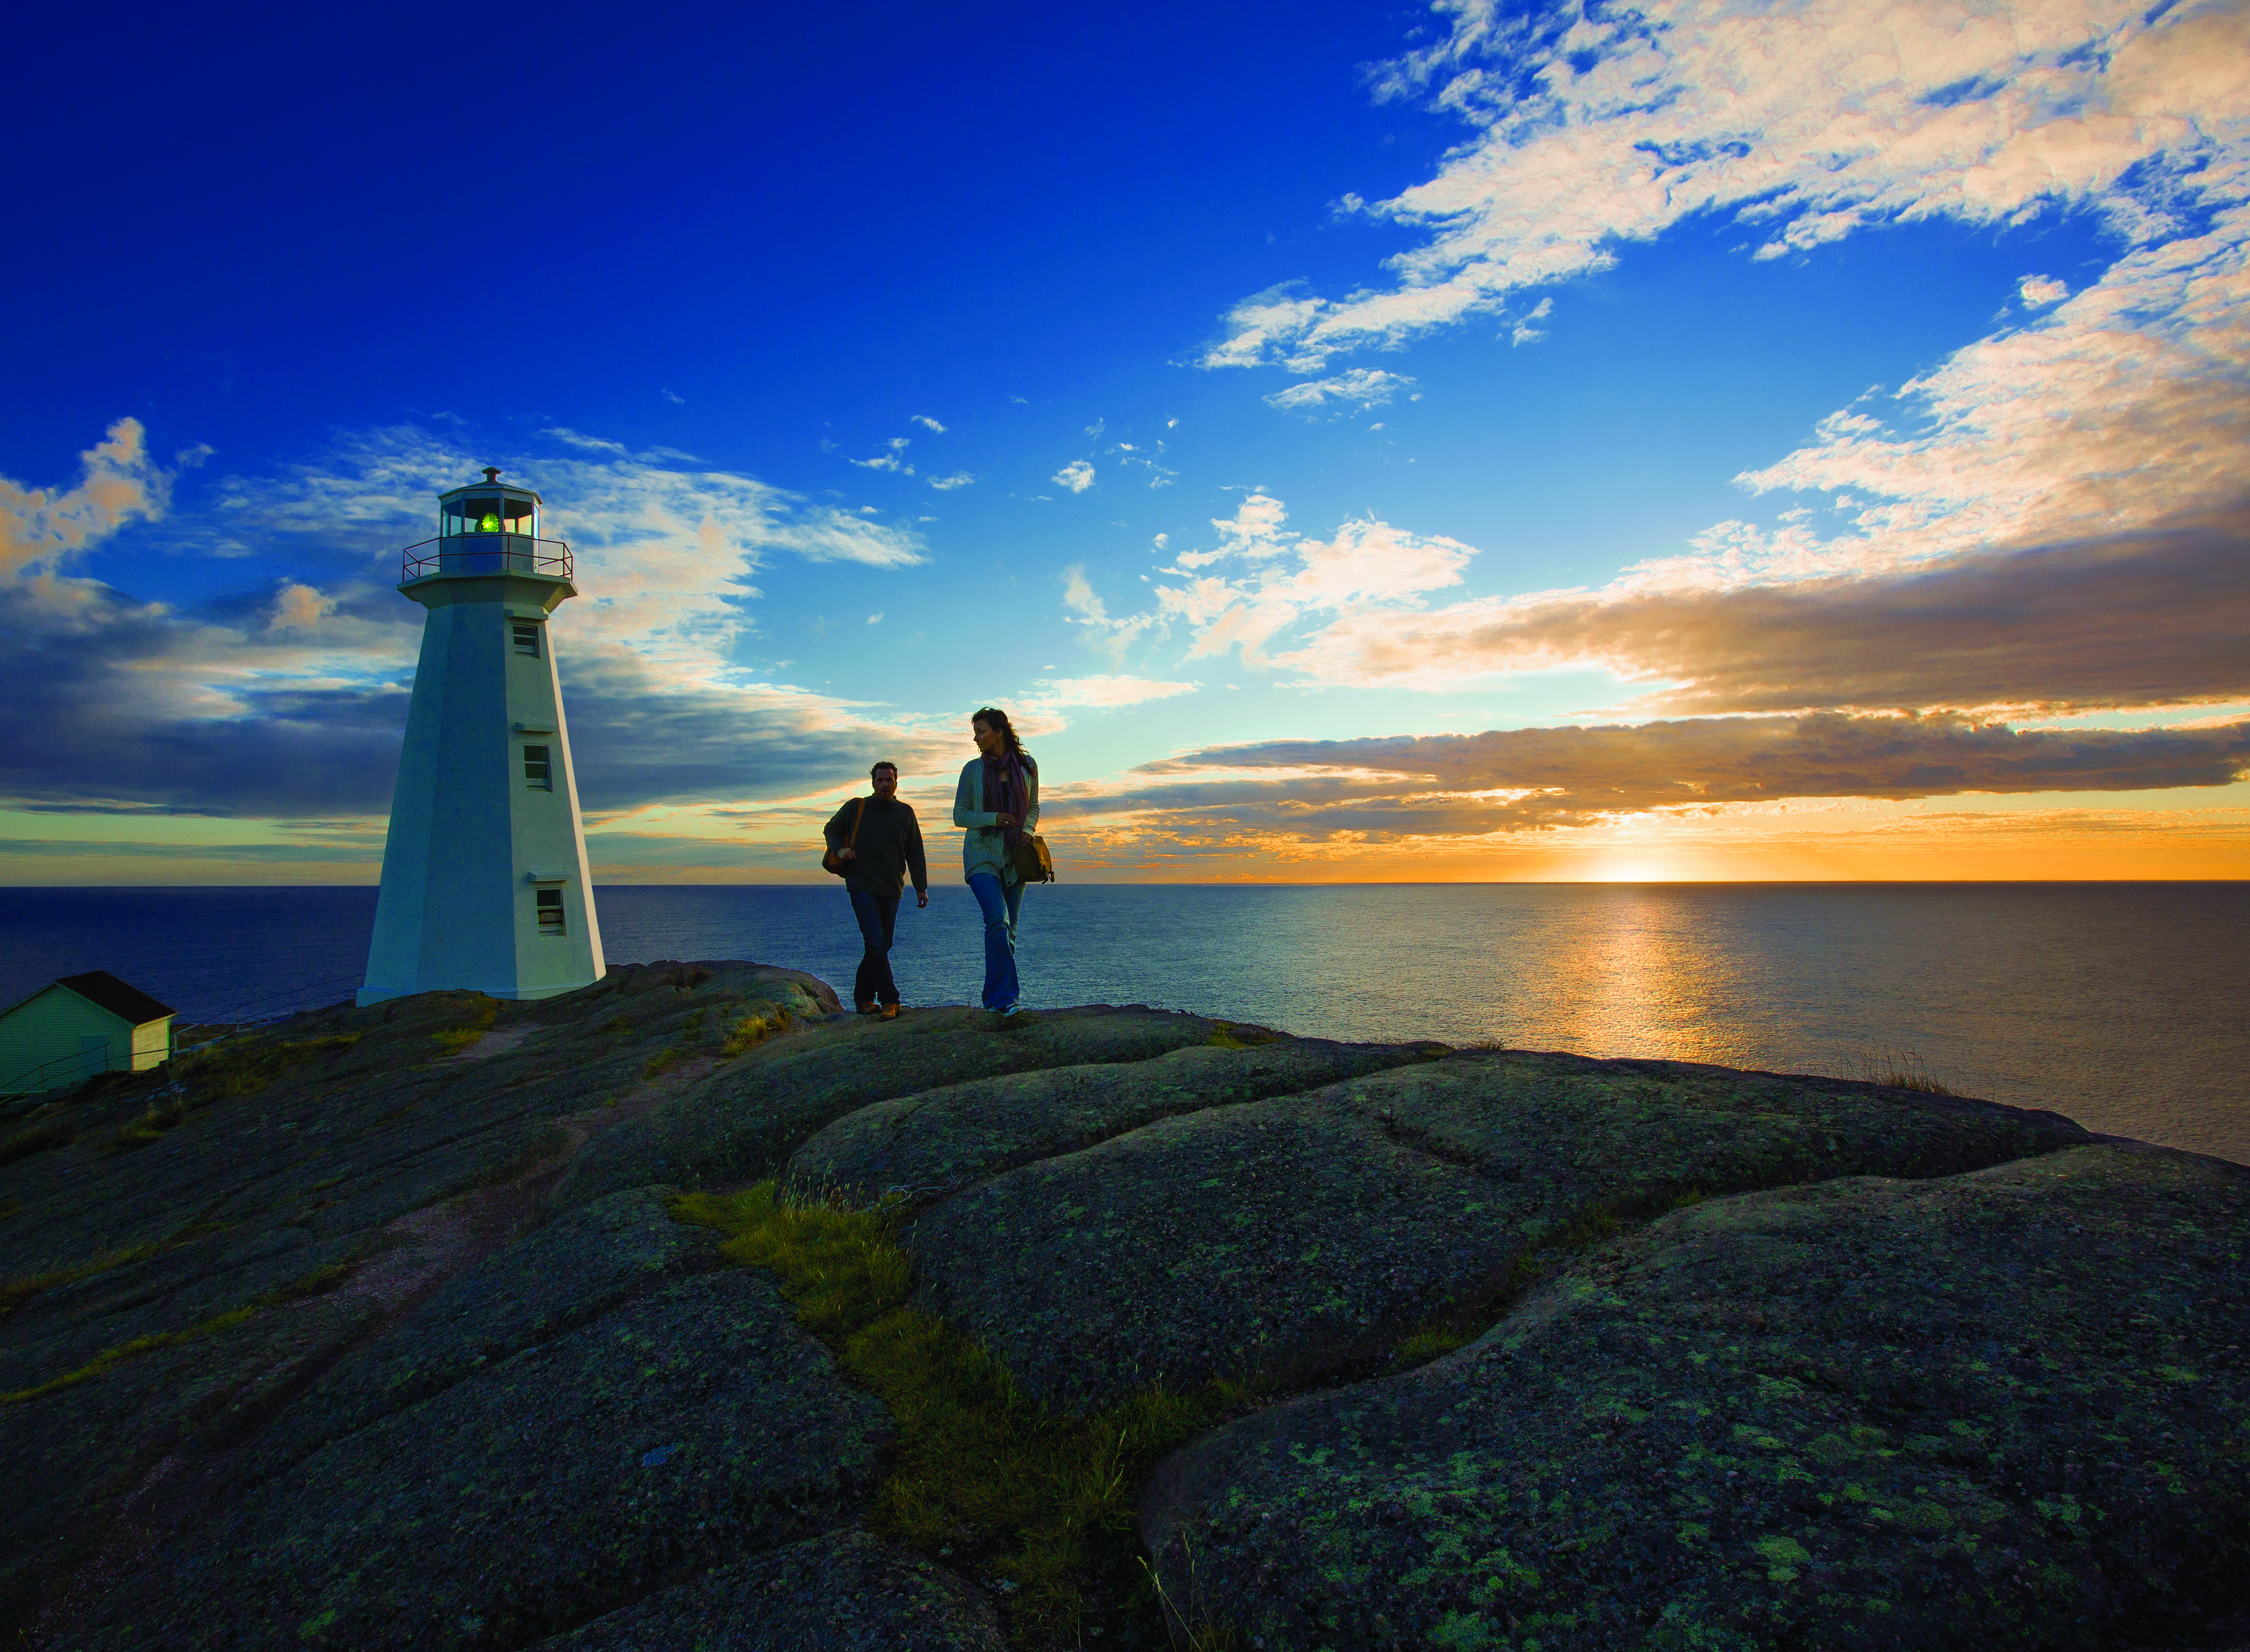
x=1599 y=126
x=1536 y=779
x=1754 y=622
x=1359 y=387
x=2152 y=618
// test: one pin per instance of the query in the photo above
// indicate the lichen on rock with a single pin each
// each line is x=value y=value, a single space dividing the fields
x=2005 y=1408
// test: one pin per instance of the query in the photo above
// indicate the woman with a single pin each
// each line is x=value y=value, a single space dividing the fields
x=996 y=804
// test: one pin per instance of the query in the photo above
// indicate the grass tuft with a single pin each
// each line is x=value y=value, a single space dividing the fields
x=14 y=1293
x=1240 y=1035
x=454 y=1040
x=1900 y=1069
x=314 y=1283
x=38 y=1139
x=661 y=1063
x=246 y=1066
x=1041 y=1501
x=230 y=1070
x=753 y=1030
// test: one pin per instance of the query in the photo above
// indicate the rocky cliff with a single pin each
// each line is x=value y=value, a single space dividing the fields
x=686 y=1312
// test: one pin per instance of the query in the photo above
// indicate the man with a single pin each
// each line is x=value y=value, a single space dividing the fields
x=877 y=841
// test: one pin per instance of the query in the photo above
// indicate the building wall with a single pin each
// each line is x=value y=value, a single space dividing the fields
x=50 y=1031
x=152 y=1044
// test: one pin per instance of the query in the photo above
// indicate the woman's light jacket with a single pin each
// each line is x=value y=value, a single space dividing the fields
x=983 y=843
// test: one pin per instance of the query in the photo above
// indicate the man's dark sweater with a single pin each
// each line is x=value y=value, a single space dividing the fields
x=889 y=845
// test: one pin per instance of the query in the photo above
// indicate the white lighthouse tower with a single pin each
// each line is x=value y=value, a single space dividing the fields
x=484 y=877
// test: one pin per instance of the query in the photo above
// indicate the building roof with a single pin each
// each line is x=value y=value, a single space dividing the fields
x=104 y=989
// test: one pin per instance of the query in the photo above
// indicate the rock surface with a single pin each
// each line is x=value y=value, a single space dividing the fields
x=671 y=1436
x=743 y=1122
x=2003 y=1409
x=946 y=1139
x=843 y=1592
x=1288 y=1242
x=378 y=1330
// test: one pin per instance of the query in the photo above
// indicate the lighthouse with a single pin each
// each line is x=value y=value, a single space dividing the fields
x=484 y=876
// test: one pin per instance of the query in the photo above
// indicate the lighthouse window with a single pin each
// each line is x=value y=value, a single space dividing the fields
x=550 y=911
x=536 y=770
x=527 y=636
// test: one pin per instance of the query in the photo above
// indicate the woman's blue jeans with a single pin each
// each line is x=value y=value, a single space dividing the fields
x=1001 y=903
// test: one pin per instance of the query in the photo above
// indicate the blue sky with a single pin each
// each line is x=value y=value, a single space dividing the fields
x=1694 y=440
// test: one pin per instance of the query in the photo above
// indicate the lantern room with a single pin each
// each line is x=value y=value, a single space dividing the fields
x=489 y=507
x=487 y=527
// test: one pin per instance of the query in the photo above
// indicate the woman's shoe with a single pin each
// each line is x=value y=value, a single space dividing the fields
x=867 y=1009
x=891 y=1011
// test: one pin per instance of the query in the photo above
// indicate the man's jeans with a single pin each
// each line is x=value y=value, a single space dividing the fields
x=1002 y=905
x=878 y=915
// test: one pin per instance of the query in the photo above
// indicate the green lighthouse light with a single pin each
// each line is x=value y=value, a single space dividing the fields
x=489 y=523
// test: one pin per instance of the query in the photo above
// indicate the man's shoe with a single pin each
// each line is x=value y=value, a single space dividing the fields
x=867 y=1009
x=891 y=1011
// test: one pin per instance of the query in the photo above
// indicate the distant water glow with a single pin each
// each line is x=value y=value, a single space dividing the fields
x=2120 y=1005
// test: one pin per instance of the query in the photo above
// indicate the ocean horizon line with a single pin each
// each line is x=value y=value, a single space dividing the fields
x=1303 y=883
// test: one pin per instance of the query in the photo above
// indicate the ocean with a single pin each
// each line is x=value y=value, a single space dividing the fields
x=2122 y=1005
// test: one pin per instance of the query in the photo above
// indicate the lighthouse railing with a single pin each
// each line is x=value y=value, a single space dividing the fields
x=485 y=554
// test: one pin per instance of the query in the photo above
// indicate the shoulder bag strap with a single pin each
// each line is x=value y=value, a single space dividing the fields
x=857 y=815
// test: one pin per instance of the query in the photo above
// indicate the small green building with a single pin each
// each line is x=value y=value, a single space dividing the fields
x=73 y=1028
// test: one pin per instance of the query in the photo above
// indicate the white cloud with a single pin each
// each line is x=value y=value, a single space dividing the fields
x=42 y=530
x=298 y=607
x=1093 y=430
x=927 y=423
x=1078 y=595
x=1159 y=475
x=1524 y=332
x=1105 y=692
x=2040 y=291
x=570 y=438
x=946 y=484
x=2121 y=406
x=1112 y=637
x=1366 y=566
x=1264 y=327
x=1078 y=476
x=894 y=461
x=875 y=619
x=1597 y=126
x=1361 y=387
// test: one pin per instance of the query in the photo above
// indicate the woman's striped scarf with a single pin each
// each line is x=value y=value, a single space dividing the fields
x=1007 y=790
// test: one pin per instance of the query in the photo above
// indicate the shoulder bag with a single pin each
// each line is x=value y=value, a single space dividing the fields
x=843 y=868
x=1032 y=863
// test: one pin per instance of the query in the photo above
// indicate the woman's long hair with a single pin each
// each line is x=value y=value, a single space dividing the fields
x=992 y=716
